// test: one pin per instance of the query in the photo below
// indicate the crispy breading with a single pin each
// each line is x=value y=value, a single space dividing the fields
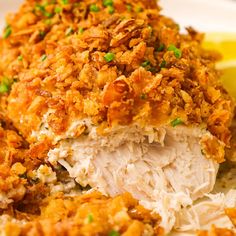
x=63 y=68
x=89 y=214
x=216 y=232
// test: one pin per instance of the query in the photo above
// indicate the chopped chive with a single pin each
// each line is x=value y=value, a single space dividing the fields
x=42 y=34
x=161 y=47
x=90 y=218
x=20 y=58
x=44 y=57
x=152 y=69
x=109 y=57
x=69 y=31
x=81 y=30
x=4 y=88
x=143 y=96
x=129 y=7
x=48 y=14
x=163 y=64
x=177 y=51
x=114 y=233
x=5 y=85
x=111 y=9
x=138 y=9
x=39 y=7
x=176 y=122
x=145 y=63
x=42 y=9
x=48 y=22
x=94 y=8
x=65 y=2
x=58 y=10
x=107 y=3
x=7 y=32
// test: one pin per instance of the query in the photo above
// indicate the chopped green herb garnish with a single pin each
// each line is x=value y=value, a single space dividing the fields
x=81 y=30
x=44 y=57
x=94 y=8
x=129 y=7
x=48 y=14
x=109 y=57
x=48 y=22
x=138 y=9
x=177 y=52
x=65 y=2
x=176 y=122
x=69 y=31
x=111 y=9
x=7 y=32
x=4 y=88
x=161 y=47
x=145 y=63
x=42 y=34
x=143 y=96
x=42 y=9
x=163 y=64
x=107 y=3
x=5 y=85
x=58 y=10
x=114 y=233
x=20 y=58
x=90 y=218
x=152 y=69
x=39 y=7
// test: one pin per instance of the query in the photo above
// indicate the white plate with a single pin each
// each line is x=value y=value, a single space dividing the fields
x=204 y=15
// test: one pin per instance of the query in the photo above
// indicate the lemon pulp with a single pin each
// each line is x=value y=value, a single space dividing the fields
x=225 y=43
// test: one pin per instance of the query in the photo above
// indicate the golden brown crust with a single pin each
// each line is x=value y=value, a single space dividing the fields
x=89 y=214
x=216 y=232
x=75 y=81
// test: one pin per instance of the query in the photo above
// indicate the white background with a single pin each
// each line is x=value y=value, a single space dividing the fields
x=204 y=15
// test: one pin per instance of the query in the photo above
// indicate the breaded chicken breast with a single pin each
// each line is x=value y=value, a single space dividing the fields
x=124 y=103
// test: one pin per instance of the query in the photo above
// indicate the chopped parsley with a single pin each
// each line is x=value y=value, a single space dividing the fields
x=94 y=8
x=138 y=9
x=109 y=57
x=176 y=122
x=42 y=34
x=161 y=47
x=90 y=218
x=114 y=233
x=5 y=85
x=44 y=57
x=65 y=2
x=143 y=96
x=7 y=32
x=58 y=10
x=145 y=63
x=163 y=64
x=129 y=7
x=42 y=9
x=69 y=31
x=111 y=9
x=81 y=30
x=177 y=51
x=107 y=3
x=20 y=58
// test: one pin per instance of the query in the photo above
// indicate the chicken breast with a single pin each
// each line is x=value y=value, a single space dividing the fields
x=164 y=168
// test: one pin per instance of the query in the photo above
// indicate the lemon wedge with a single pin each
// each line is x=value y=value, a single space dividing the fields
x=225 y=43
